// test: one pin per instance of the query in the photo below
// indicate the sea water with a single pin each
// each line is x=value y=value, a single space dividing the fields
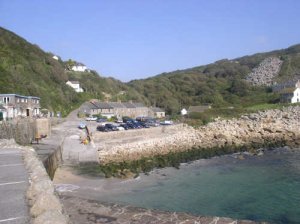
x=261 y=188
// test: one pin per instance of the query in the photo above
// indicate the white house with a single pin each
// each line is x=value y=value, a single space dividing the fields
x=14 y=105
x=75 y=85
x=55 y=57
x=79 y=67
x=183 y=112
x=291 y=94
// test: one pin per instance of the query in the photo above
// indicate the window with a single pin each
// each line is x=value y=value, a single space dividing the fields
x=6 y=100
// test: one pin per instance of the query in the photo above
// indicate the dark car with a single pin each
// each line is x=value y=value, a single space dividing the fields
x=111 y=127
x=125 y=126
x=102 y=128
x=144 y=124
x=130 y=125
x=127 y=119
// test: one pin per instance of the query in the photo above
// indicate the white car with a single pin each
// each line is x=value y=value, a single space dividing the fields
x=120 y=128
x=166 y=122
x=91 y=118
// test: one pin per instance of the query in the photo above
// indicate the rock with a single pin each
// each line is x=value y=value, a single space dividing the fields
x=262 y=128
x=51 y=217
x=45 y=202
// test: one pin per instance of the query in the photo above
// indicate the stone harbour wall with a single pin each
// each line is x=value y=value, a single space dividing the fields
x=254 y=130
x=99 y=136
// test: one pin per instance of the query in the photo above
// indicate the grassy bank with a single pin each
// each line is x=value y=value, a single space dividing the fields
x=145 y=165
x=198 y=119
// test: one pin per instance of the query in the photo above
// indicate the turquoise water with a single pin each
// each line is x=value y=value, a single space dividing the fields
x=262 y=188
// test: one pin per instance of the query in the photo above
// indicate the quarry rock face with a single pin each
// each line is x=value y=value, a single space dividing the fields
x=264 y=74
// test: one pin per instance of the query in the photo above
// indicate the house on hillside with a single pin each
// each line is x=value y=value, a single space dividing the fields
x=115 y=109
x=290 y=94
x=183 y=112
x=19 y=106
x=198 y=109
x=55 y=57
x=157 y=112
x=104 y=108
x=75 y=85
x=88 y=109
x=79 y=67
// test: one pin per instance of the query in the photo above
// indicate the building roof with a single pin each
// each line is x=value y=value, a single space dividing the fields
x=157 y=109
x=295 y=82
x=288 y=90
x=87 y=106
x=116 y=104
x=129 y=105
x=102 y=105
x=79 y=64
x=20 y=96
x=138 y=104
x=198 y=108
x=74 y=82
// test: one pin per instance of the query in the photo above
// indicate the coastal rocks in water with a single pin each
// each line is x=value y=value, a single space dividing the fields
x=267 y=128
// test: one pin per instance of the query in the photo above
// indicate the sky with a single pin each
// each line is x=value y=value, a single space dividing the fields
x=136 y=39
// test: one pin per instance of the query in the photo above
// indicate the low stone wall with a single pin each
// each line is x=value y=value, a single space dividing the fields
x=45 y=207
x=256 y=130
x=168 y=129
x=23 y=130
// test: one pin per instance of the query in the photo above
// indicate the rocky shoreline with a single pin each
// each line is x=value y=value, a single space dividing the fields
x=91 y=211
x=268 y=128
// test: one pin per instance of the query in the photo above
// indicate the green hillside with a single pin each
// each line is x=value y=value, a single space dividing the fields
x=221 y=83
x=28 y=70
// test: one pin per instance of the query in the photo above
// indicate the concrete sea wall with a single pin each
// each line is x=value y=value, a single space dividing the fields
x=252 y=130
x=45 y=207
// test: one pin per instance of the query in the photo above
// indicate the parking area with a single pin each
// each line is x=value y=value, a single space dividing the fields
x=13 y=187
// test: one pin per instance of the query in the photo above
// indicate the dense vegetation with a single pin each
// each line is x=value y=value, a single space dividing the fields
x=220 y=84
x=26 y=69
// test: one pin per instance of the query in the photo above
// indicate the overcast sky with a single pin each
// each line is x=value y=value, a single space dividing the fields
x=134 y=39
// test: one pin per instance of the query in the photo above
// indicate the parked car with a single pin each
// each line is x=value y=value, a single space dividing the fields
x=102 y=128
x=144 y=124
x=166 y=122
x=120 y=128
x=99 y=120
x=81 y=125
x=91 y=118
x=111 y=127
x=131 y=125
x=153 y=123
x=127 y=119
x=119 y=121
x=125 y=126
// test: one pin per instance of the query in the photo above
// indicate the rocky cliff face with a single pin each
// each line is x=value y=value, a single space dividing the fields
x=253 y=130
x=264 y=74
